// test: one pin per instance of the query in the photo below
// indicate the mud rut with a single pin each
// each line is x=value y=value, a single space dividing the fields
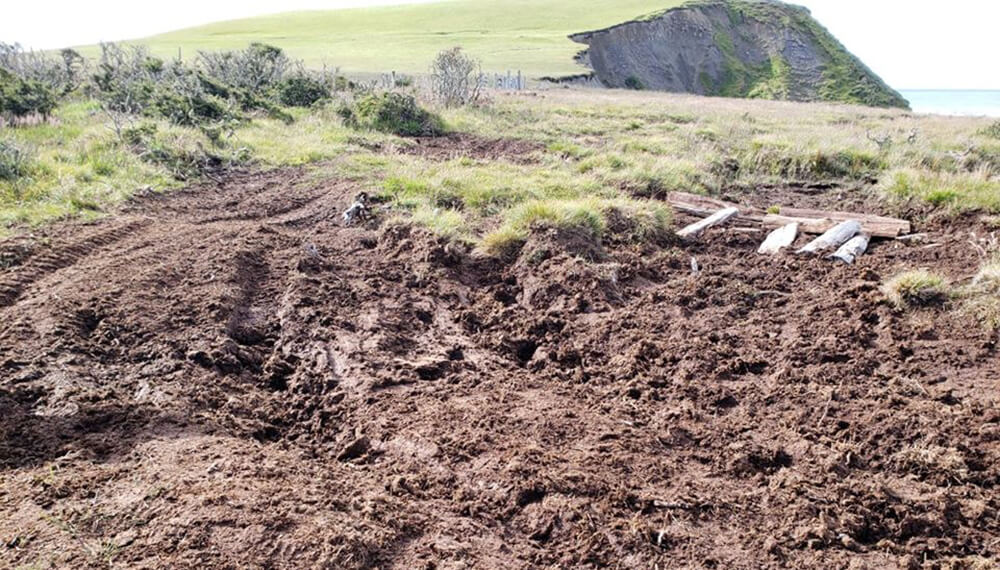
x=226 y=377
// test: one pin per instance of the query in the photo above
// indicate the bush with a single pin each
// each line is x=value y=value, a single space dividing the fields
x=61 y=74
x=126 y=78
x=455 y=78
x=634 y=83
x=920 y=287
x=24 y=97
x=15 y=160
x=992 y=131
x=302 y=90
x=256 y=69
x=394 y=113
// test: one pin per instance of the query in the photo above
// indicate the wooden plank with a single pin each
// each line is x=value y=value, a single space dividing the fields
x=816 y=226
x=779 y=239
x=720 y=217
x=833 y=238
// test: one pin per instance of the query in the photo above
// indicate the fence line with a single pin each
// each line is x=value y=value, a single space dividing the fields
x=510 y=81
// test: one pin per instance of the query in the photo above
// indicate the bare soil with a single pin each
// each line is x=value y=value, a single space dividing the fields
x=226 y=377
x=465 y=145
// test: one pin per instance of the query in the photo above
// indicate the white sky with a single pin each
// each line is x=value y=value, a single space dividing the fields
x=911 y=43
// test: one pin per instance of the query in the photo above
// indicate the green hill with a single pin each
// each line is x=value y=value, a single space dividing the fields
x=530 y=35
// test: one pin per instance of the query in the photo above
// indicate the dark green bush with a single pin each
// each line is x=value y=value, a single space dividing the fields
x=190 y=109
x=25 y=97
x=634 y=83
x=302 y=90
x=394 y=113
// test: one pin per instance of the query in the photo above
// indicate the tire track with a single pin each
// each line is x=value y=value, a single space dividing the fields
x=13 y=285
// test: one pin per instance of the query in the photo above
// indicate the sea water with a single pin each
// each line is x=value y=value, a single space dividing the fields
x=948 y=102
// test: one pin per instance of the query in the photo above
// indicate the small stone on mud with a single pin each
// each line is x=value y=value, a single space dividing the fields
x=355 y=449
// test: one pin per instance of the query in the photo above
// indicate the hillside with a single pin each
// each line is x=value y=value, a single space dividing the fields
x=736 y=48
x=530 y=35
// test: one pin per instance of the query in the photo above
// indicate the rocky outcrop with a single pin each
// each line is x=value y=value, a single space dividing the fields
x=734 y=48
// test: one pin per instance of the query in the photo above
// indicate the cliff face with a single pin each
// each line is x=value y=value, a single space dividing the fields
x=734 y=48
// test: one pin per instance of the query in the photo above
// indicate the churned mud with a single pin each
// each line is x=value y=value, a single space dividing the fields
x=226 y=377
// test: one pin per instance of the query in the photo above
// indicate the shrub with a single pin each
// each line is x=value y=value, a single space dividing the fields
x=992 y=131
x=256 y=69
x=919 y=287
x=394 y=113
x=61 y=74
x=126 y=78
x=455 y=78
x=24 y=97
x=15 y=160
x=634 y=83
x=302 y=90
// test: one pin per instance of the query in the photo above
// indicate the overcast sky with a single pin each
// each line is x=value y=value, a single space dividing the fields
x=911 y=43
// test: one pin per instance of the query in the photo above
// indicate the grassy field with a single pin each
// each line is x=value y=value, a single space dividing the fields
x=530 y=35
x=602 y=145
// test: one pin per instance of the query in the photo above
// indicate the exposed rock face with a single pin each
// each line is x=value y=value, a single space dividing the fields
x=735 y=48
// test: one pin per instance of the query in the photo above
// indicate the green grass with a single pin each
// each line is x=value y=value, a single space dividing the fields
x=602 y=146
x=530 y=35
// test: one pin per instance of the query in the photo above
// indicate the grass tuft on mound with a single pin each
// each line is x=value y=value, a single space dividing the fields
x=633 y=220
x=915 y=288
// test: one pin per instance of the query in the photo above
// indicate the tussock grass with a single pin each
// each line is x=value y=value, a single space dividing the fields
x=915 y=288
x=960 y=192
x=445 y=222
x=636 y=220
x=981 y=298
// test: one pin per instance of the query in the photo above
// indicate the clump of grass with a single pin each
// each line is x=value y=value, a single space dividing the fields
x=445 y=222
x=981 y=298
x=785 y=162
x=636 y=220
x=961 y=192
x=915 y=288
x=15 y=160
x=569 y=150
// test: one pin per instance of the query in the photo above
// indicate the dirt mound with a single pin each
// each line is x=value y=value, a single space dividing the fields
x=464 y=145
x=227 y=377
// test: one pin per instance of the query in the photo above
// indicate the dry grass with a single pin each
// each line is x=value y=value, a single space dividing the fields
x=981 y=298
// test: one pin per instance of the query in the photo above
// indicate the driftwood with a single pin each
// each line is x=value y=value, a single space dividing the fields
x=833 y=238
x=820 y=221
x=720 y=217
x=853 y=249
x=810 y=221
x=779 y=239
